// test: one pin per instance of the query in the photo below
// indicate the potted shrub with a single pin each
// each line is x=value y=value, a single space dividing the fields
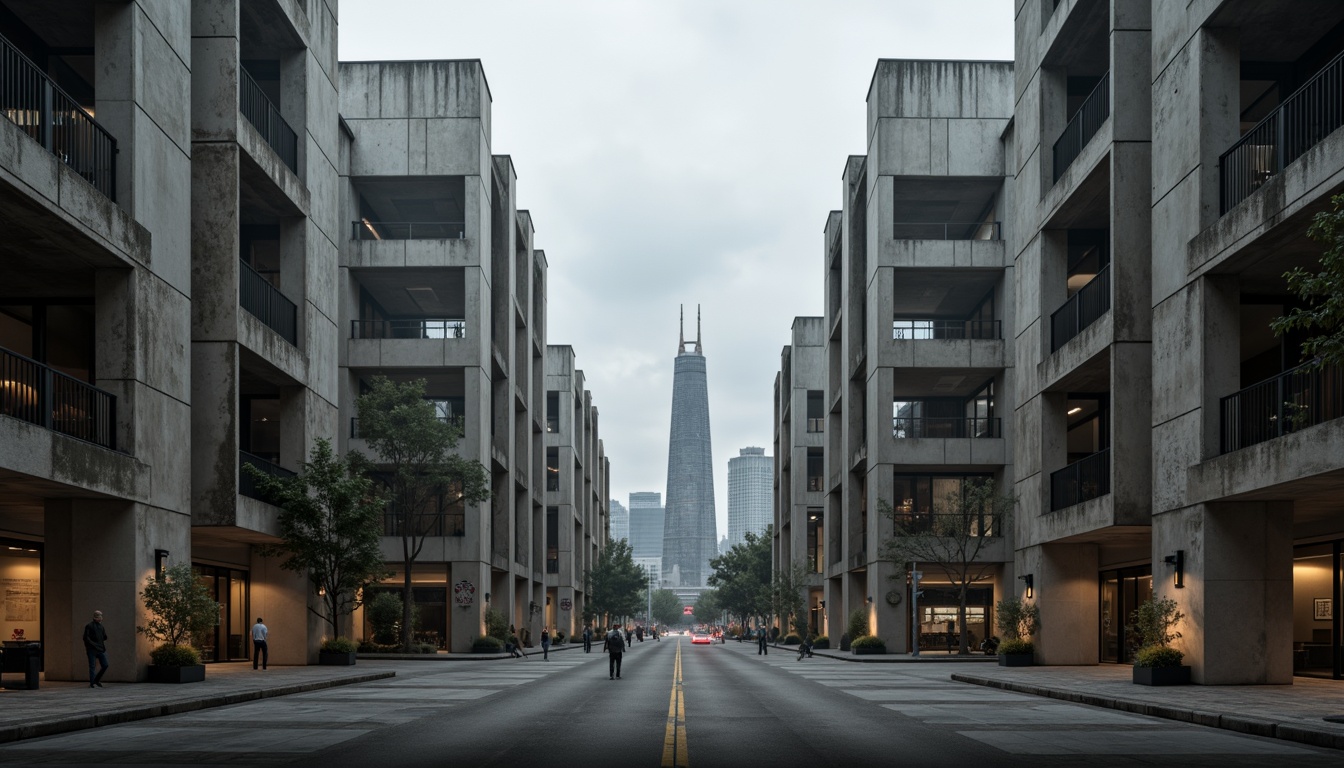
x=487 y=644
x=821 y=642
x=868 y=644
x=1153 y=623
x=337 y=652
x=179 y=607
x=1016 y=621
x=792 y=639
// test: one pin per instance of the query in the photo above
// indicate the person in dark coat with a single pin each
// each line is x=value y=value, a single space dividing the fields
x=763 y=644
x=95 y=646
x=587 y=639
x=615 y=648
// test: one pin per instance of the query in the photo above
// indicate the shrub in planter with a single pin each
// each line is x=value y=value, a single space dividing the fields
x=179 y=607
x=868 y=644
x=384 y=614
x=1160 y=665
x=496 y=625
x=167 y=655
x=1158 y=657
x=1156 y=662
x=339 y=645
x=858 y=624
x=337 y=652
x=821 y=642
x=1016 y=653
x=427 y=648
x=487 y=644
x=792 y=639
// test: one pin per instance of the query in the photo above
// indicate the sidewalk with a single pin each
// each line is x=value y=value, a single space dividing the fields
x=1292 y=712
x=60 y=707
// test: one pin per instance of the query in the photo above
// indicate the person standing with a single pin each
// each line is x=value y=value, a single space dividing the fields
x=615 y=648
x=95 y=646
x=259 y=649
x=763 y=644
x=545 y=644
x=587 y=639
x=639 y=633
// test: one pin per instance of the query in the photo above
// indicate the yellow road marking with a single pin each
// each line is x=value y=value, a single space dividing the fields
x=674 y=742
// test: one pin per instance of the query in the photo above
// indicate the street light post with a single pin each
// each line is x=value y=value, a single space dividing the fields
x=914 y=607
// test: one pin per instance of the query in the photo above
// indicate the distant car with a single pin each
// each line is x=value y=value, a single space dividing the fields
x=700 y=638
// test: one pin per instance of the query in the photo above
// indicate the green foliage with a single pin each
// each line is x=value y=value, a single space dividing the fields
x=1323 y=292
x=787 y=599
x=339 y=645
x=616 y=583
x=1154 y=622
x=707 y=607
x=330 y=522
x=487 y=644
x=821 y=642
x=426 y=648
x=180 y=606
x=666 y=606
x=858 y=624
x=424 y=470
x=869 y=641
x=1017 y=620
x=169 y=655
x=792 y=639
x=1158 y=656
x=496 y=625
x=742 y=576
x=385 y=613
x=1014 y=645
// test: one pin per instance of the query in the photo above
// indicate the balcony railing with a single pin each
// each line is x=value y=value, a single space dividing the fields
x=247 y=484
x=1082 y=480
x=1083 y=125
x=919 y=330
x=38 y=394
x=816 y=425
x=1300 y=122
x=934 y=427
x=437 y=328
x=263 y=116
x=1295 y=399
x=1082 y=309
x=366 y=229
x=947 y=230
x=267 y=303
x=30 y=100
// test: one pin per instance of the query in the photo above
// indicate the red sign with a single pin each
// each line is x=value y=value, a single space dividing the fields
x=688 y=611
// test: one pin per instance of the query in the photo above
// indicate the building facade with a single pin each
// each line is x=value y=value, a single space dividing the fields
x=749 y=495
x=690 y=536
x=620 y=521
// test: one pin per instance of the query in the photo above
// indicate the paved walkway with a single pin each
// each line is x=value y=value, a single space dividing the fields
x=1293 y=712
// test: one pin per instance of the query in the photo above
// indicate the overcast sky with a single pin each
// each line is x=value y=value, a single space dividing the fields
x=678 y=152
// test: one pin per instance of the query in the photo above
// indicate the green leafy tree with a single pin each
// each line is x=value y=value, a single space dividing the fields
x=1017 y=619
x=786 y=598
x=1323 y=292
x=666 y=606
x=384 y=612
x=952 y=535
x=424 y=470
x=330 y=522
x=707 y=607
x=179 y=606
x=615 y=583
x=742 y=576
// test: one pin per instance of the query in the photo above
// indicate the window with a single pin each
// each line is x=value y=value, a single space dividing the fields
x=816 y=410
x=815 y=539
x=552 y=469
x=552 y=539
x=816 y=469
x=553 y=411
x=926 y=503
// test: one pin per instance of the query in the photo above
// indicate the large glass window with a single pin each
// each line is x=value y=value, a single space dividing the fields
x=229 y=639
x=1316 y=623
x=552 y=469
x=21 y=574
x=939 y=607
x=553 y=411
x=816 y=539
x=924 y=502
x=816 y=468
x=552 y=539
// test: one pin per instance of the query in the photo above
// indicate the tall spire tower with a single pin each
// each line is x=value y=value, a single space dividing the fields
x=689 y=530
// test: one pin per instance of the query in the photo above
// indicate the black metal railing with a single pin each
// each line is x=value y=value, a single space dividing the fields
x=947 y=230
x=904 y=427
x=367 y=229
x=41 y=395
x=918 y=330
x=1082 y=309
x=267 y=303
x=30 y=100
x=262 y=114
x=1298 y=398
x=1096 y=108
x=1087 y=478
x=248 y=485
x=816 y=425
x=1299 y=123
x=425 y=328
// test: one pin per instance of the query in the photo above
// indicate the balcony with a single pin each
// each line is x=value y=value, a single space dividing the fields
x=33 y=102
x=947 y=230
x=424 y=328
x=1302 y=121
x=1084 y=124
x=1293 y=400
x=367 y=229
x=265 y=302
x=1082 y=480
x=1082 y=309
x=38 y=394
x=952 y=427
x=247 y=485
x=263 y=116
x=946 y=329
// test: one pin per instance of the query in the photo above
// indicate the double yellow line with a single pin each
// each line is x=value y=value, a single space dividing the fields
x=674 y=742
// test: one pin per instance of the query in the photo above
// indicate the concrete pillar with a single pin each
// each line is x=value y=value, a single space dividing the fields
x=214 y=432
x=1065 y=580
x=1219 y=67
x=1220 y=369
x=1131 y=433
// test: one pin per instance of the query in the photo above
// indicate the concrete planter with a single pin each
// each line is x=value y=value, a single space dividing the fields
x=1016 y=659
x=867 y=651
x=336 y=659
x=191 y=674
x=1162 y=675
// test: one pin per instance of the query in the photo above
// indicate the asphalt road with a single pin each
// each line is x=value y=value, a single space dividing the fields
x=676 y=705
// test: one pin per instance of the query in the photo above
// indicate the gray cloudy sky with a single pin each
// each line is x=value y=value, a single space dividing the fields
x=678 y=152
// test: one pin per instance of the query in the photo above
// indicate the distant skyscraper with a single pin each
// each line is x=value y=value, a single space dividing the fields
x=750 y=486
x=689 y=532
x=724 y=546
x=646 y=525
x=620 y=522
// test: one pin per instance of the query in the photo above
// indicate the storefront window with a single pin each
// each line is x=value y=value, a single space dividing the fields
x=21 y=580
x=939 y=621
x=228 y=640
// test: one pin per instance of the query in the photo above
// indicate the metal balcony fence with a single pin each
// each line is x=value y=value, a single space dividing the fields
x=1084 y=124
x=367 y=229
x=935 y=427
x=1299 y=123
x=1082 y=309
x=1298 y=398
x=918 y=330
x=267 y=303
x=33 y=102
x=248 y=485
x=436 y=328
x=1085 y=479
x=947 y=230
x=41 y=395
x=262 y=114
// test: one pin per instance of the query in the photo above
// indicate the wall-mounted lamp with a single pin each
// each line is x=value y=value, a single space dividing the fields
x=870 y=598
x=823 y=605
x=321 y=591
x=160 y=563
x=1177 y=560
x=1030 y=581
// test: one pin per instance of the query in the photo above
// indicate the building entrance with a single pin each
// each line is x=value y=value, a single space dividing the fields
x=1316 y=620
x=229 y=639
x=1122 y=591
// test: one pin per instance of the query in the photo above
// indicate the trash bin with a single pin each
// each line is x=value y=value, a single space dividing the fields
x=32 y=670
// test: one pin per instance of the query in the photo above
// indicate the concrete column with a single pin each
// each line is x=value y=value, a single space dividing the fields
x=215 y=242
x=214 y=432
x=1065 y=578
x=1131 y=433
x=1131 y=242
x=1220 y=369
x=1219 y=68
x=1054 y=116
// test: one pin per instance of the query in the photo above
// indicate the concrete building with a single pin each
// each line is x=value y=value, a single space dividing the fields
x=620 y=521
x=646 y=525
x=749 y=495
x=690 y=535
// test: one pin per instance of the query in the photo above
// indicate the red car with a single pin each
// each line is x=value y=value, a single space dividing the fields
x=700 y=638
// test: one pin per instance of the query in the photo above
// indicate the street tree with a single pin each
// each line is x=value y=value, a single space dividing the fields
x=786 y=598
x=330 y=522
x=707 y=607
x=1322 y=291
x=423 y=472
x=742 y=576
x=666 y=607
x=615 y=583
x=952 y=535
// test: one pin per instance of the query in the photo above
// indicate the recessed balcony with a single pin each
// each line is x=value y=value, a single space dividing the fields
x=1091 y=115
x=248 y=485
x=41 y=395
x=945 y=427
x=257 y=107
x=1087 y=305
x=265 y=302
x=1289 y=402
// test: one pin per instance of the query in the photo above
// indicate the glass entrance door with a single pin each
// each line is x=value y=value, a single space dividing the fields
x=1122 y=591
x=1316 y=620
x=227 y=640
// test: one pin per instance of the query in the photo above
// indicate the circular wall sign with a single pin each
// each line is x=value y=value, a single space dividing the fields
x=893 y=598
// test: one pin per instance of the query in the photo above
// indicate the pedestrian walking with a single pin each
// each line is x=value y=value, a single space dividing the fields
x=259 y=648
x=763 y=644
x=95 y=646
x=545 y=644
x=587 y=639
x=615 y=648
x=639 y=633
x=627 y=637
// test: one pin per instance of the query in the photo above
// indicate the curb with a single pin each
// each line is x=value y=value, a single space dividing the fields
x=460 y=656
x=1253 y=726
x=71 y=723
x=877 y=658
